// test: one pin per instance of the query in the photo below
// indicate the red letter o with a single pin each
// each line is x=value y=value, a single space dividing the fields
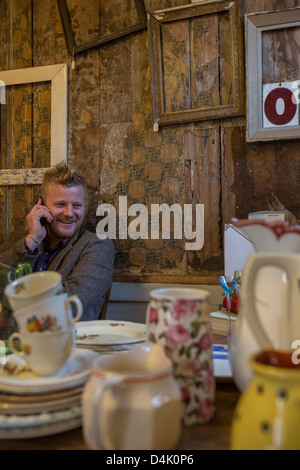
x=290 y=108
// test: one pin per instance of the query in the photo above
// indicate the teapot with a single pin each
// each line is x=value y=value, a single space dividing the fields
x=268 y=316
x=132 y=401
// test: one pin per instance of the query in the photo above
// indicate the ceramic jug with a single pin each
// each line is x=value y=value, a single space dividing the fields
x=268 y=287
x=267 y=415
x=132 y=401
x=288 y=322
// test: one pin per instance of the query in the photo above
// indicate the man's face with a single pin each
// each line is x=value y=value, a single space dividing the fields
x=66 y=205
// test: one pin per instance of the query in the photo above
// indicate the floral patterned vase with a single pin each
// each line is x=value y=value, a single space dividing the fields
x=178 y=318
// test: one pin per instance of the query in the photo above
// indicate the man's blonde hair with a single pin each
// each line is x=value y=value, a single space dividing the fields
x=64 y=175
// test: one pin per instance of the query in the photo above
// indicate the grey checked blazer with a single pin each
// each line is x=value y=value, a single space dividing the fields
x=85 y=264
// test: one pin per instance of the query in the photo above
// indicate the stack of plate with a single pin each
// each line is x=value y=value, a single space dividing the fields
x=32 y=406
x=108 y=336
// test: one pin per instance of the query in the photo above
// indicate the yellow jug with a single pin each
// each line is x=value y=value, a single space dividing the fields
x=267 y=415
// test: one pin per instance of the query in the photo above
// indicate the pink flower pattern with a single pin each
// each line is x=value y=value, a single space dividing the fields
x=206 y=409
x=209 y=380
x=182 y=326
x=182 y=307
x=153 y=315
x=177 y=334
x=205 y=341
x=185 y=394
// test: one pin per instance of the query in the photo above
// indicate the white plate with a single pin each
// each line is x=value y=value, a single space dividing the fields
x=40 y=431
x=39 y=407
x=42 y=424
x=109 y=349
x=75 y=372
x=39 y=419
x=109 y=333
x=11 y=398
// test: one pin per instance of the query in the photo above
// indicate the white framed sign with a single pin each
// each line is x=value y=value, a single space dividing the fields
x=280 y=120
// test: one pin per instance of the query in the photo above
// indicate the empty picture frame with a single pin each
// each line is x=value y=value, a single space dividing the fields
x=58 y=76
x=69 y=35
x=197 y=62
x=273 y=66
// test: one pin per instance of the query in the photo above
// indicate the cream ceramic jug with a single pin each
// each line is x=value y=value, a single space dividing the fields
x=132 y=401
x=266 y=291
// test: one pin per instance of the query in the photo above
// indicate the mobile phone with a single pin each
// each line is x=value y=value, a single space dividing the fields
x=43 y=220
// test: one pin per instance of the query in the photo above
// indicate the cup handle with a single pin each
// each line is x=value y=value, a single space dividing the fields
x=10 y=340
x=74 y=299
x=254 y=264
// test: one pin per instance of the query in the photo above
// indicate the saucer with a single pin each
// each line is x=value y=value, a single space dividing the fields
x=17 y=378
x=109 y=333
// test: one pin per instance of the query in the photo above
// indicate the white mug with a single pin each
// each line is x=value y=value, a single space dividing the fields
x=32 y=288
x=45 y=354
x=52 y=314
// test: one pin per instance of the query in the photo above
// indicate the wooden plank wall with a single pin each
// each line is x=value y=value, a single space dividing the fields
x=111 y=136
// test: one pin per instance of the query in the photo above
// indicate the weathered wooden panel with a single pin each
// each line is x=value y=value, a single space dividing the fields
x=287 y=180
x=226 y=79
x=25 y=176
x=20 y=124
x=195 y=66
x=252 y=6
x=211 y=61
x=86 y=142
x=176 y=65
x=4 y=65
x=202 y=180
x=110 y=22
x=258 y=177
x=48 y=46
x=84 y=17
x=280 y=55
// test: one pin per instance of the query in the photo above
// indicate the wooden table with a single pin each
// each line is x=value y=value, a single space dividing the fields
x=214 y=435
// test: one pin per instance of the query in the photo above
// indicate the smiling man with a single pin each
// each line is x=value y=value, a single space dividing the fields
x=67 y=210
x=55 y=240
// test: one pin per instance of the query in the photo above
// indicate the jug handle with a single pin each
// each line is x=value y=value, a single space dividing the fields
x=97 y=400
x=254 y=264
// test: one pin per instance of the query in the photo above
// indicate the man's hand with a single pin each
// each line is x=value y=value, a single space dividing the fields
x=35 y=229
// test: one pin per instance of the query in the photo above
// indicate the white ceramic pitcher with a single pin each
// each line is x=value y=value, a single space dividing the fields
x=288 y=314
x=132 y=401
x=269 y=294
